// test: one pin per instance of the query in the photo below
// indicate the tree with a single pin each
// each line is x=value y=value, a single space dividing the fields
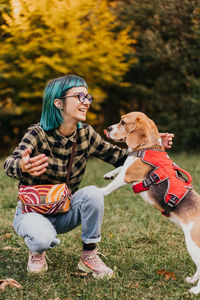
x=48 y=38
x=164 y=81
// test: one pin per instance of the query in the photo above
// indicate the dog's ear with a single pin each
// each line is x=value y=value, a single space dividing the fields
x=138 y=136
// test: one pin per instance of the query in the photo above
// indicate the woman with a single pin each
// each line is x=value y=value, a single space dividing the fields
x=42 y=157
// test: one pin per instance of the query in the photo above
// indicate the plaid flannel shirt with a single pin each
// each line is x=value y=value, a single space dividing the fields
x=58 y=149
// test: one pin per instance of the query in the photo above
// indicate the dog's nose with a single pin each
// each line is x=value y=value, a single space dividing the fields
x=110 y=128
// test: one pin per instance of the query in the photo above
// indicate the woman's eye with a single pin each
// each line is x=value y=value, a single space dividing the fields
x=122 y=122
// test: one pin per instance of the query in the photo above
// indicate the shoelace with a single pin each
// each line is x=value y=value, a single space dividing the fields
x=36 y=258
x=94 y=259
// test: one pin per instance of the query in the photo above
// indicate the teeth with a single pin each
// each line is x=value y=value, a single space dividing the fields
x=84 y=110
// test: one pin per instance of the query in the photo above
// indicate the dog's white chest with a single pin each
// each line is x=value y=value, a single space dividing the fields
x=146 y=197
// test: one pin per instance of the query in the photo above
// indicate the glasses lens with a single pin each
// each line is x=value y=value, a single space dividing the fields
x=81 y=97
x=89 y=97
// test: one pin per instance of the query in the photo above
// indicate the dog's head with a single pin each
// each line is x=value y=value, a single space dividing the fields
x=136 y=130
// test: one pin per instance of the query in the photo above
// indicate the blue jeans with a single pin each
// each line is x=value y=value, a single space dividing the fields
x=40 y=231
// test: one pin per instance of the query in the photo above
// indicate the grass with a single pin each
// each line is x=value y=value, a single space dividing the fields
x=136 y=240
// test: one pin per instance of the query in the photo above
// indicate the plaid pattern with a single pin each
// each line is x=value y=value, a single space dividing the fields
x=58 y=149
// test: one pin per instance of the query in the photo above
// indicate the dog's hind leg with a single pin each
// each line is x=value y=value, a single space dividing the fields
x=192 y=239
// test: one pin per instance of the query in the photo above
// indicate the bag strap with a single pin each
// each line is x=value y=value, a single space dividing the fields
x=71 y=159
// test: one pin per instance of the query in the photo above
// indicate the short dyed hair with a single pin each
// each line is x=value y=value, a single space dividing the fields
x=51 y=116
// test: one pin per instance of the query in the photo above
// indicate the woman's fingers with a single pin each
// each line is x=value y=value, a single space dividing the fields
x=38 y=172
x=167 y=139
x=38 y=167
x=38 y=160
x=35 y=165
x=170 y=137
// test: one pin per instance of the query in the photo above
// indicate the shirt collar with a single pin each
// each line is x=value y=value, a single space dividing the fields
x=63 y=139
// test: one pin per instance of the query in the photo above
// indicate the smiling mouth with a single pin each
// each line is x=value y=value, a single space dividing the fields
x=106 y=133
x=83 y=110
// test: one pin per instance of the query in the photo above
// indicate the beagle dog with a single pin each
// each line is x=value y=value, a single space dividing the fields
x=141 y=135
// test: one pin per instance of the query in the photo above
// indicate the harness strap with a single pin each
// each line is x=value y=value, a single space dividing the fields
x=137 y=153
x=170 y=205
x=154 y=177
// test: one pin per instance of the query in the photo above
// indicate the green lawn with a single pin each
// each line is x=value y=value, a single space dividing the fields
x=136 y=240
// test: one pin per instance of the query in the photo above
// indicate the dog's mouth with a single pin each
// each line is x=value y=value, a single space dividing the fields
x=106 y=132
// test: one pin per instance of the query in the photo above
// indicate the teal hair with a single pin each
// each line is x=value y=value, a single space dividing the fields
x=51 y=116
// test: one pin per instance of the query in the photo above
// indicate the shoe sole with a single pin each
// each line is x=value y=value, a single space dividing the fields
x=82 y=267
x=45 y=268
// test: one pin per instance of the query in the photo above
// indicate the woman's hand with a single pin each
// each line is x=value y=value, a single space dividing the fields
x=36 y=165
x=166 y=139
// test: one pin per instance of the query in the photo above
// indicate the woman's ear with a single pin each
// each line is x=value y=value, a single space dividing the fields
x=58 y=103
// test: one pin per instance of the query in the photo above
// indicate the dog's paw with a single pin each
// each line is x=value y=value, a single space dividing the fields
x=108 y=177
x=195 y=290
x=189 y=279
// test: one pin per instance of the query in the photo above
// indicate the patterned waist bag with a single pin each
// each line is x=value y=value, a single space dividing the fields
x=49 y=198
x=45 y=199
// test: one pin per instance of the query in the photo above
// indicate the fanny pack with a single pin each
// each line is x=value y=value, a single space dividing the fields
x=48 y=198
x=45 y=199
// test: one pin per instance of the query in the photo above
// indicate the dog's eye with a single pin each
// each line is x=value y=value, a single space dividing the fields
x=122 y=122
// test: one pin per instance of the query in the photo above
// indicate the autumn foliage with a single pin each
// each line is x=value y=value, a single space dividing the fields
x=135 y=55
x=45 y=39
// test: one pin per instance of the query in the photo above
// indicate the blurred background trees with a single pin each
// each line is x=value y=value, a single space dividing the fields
x=165 y=81
x=135 y=55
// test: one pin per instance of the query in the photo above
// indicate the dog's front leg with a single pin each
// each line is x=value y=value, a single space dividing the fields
x=112 y=174
x=120 y=179
x=115 y=184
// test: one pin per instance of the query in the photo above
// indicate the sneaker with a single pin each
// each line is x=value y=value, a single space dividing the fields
x=90 y=262
x=37 y=262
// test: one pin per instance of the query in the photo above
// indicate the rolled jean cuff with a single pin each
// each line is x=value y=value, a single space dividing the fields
x=91 y=241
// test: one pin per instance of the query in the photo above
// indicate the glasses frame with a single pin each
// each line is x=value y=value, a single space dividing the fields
x=81 y=94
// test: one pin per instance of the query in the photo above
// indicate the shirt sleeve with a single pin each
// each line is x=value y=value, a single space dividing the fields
x=11 y=164
x=104 y=150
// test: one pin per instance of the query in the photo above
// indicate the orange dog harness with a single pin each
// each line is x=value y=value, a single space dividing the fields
x=164 y=169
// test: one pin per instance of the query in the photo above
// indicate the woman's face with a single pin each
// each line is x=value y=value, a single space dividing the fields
x=73 y=108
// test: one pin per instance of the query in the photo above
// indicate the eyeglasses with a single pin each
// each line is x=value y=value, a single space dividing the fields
x=81 y=97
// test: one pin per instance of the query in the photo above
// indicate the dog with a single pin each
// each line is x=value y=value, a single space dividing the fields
x=151 y=180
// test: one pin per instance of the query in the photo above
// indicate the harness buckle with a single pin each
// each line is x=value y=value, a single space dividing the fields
x=146 y=183
x=170 y=205
x=154 y=177
x=172 y=201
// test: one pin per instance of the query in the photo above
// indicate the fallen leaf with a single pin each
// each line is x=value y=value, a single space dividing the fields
x=128 y=285
x=79 y=274
x=136 y=285
x=166 y=274
x=6 y=236
x=9 y=248
x=9 y=282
